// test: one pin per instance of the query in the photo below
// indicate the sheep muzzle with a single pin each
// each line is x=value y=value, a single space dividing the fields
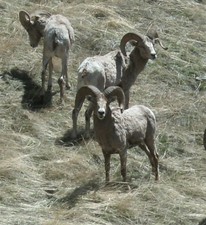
x=153 y=56
x=101 y=114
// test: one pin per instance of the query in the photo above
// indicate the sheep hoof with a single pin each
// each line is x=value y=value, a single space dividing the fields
x=87 y=135
x=49 y=88
x=68 y=86
x=61 y=101
x=73 y=136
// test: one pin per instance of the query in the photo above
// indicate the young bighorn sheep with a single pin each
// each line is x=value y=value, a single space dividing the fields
x=117 y=130
x=111 y=69
x=58 y=36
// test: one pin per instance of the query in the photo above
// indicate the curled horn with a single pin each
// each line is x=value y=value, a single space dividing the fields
x=153 y=35
x=25 y=19
x=118 y=92
x=157 y=40
x=128 y=37
x=83 y=92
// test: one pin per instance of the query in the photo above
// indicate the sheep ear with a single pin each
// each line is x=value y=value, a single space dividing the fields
x=112 y=99
x=25 y=19
x=37 y=17
x=91 y=98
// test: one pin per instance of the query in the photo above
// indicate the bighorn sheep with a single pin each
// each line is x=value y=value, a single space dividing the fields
x=115 y=130
x=111 y=69
x=58 y=37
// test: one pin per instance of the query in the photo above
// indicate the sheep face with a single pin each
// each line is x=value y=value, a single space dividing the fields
x=146 y=48
x=100 y=103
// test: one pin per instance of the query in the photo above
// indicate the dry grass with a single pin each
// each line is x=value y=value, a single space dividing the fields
x=46 y=180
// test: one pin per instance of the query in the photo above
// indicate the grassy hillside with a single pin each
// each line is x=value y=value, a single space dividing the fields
x=45 y=179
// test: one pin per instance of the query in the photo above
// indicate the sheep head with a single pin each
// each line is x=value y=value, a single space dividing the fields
x=34 y=25
x=153 y=35
x=101 y=100
x=145 y=44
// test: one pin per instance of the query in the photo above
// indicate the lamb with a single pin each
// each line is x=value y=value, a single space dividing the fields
x=117 y=130
x=115 y=68
x=58 y=36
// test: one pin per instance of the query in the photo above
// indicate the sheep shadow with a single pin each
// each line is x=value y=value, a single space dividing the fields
x=93 y=185
x=68 y=141
x=32 y=98
x=72 y=198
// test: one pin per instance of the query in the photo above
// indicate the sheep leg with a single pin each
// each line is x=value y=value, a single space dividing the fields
x=153 y=151
x=65 y=71
x=126 y=99
x=61 y=80
x=123 y=160
x=43 y=74
x=153 y=159
x=75 y=113
x=50 y=75
x=88 y=115
x=61 y=83
x=107 y=157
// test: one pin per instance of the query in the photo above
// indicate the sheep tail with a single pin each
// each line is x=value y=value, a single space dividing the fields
x=55 y=41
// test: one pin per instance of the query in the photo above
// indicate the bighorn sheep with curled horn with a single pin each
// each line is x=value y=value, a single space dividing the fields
x=117 y=130
x=58 y=37
x=111 y=69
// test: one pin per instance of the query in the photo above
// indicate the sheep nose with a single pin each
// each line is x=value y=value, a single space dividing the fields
x=101 y=113
x=153 y=56
x=33 y=45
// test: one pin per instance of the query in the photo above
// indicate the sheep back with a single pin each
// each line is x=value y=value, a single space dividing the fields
x=91 y=72
x=100 y=71
x=139 y=123
x=59 y=30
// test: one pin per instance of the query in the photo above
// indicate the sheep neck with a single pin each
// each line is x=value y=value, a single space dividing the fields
x=135 y=66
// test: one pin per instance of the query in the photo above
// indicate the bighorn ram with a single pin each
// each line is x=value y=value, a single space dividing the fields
x=111 y=69
x=58 y=37
x=115 y=130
